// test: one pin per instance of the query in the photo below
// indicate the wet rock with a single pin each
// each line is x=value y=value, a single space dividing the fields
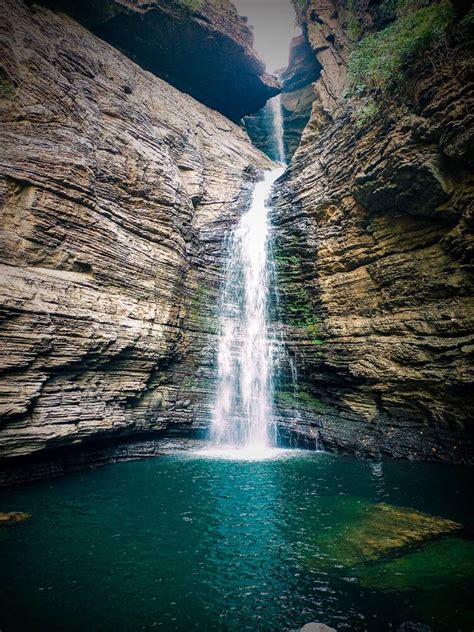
x=13 y=516
x=297 y=92
x=445 y=561
x=381 y=530
x=297 y=98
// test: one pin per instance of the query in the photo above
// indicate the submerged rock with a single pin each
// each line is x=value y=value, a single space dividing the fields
x=446 y=561
x=316 y=627
x=376 y=531
x=13 y=516
x=410 y=626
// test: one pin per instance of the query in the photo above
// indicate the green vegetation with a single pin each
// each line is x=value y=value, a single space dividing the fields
x=191 y=4
x=353 y=26
x=468 y=20
x=381 y=59
x=313 y=329
x=7 y=89
x=366 y=113
x=199 y=310
x=303 y=4
x=302 y=399
x=296 y=297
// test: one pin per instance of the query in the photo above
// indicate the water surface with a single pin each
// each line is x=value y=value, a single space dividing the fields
x=197 y=541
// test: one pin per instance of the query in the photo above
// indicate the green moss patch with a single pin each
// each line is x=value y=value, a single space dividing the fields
x=7 y=88
x=301 y=399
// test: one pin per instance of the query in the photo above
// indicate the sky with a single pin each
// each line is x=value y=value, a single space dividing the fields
x=274 y=23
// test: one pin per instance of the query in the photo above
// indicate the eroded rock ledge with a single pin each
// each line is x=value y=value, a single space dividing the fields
x=202 y=48
x=117 y=191
x=375 y=256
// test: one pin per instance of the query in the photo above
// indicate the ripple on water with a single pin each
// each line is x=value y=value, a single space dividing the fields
x=231 y=540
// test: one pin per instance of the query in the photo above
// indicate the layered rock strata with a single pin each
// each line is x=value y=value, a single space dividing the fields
x=202 y=47
x=375 y=250
x=297 y=98
x=298 y=94
x=117 y=192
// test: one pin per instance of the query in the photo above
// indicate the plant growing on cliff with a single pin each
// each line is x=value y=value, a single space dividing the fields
x=380 y=60
x=302 y=4
x=468 y=20
x=353 y=25
x=366 y=113
x=191 y=4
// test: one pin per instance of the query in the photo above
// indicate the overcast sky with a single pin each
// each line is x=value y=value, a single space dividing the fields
x=274 y=27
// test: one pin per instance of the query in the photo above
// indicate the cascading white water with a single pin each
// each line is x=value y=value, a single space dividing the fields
x=277 y=116
x=243 y=407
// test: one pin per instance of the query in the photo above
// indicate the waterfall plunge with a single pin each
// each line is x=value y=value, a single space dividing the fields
x=243 y=406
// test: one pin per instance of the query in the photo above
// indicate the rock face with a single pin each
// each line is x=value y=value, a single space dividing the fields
x=374 y=251
x=296 y=100
x=117 y=192
x=298 y=94
x=202 y=47
x=260 y=128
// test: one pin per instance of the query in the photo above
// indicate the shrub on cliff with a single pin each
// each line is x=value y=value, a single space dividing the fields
x=191 y=4
x=381 y=59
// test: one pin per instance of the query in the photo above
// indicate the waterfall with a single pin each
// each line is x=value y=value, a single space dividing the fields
x=243 y=406
x=277 y=116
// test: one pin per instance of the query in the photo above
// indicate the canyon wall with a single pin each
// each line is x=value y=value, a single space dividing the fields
x=297 y=98
x=298 y=95
x=202 y=47
x=117 y=192
x=374 y=250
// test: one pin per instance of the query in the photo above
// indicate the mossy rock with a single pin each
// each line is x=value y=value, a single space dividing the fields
x=7 y=88
x=444 y=561
x=302 y=399
x=378 y=530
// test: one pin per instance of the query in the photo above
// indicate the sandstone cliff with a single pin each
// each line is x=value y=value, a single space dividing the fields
x=202 y=47
x=374 y=251
x=117 y=191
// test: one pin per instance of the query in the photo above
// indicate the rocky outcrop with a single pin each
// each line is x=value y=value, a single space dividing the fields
x=296 y=102
x=261 y=129
x=202 y=47
x=117 y=191
x=374 y=251
x=298 y=94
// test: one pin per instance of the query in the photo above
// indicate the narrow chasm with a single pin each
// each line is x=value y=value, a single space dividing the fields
x=236 y=315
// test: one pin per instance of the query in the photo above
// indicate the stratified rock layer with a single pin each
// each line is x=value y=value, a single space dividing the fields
x=374 y=250
x=117 y=193
x=296 y=102
x=297 y=93
x=202 y=47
